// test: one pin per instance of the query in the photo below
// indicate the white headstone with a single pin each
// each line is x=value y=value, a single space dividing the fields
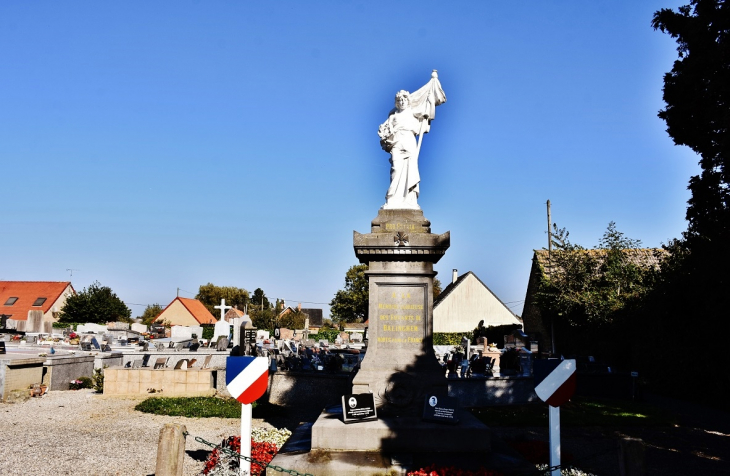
x=91 y=327
x=356 y=337
x=236 y=323
x=198 y=331
x=141 y=328
x=180 y=333
x=222 y=328
x=262 y=334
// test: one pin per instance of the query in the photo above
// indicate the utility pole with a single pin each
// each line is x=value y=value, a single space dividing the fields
x=549 y=268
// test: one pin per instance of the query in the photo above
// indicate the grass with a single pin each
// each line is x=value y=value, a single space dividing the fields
x=207 y=407
x=192 y=407
x=579 y=412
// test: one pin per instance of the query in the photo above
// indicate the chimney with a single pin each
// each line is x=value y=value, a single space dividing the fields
x=299 y=307
x=454 y=276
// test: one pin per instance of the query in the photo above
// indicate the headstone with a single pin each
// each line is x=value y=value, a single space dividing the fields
x=161 y=363
x=179 y=333
x=146 y=360
x=181 y=364
x=206 y=362
x=35 y=322
x=91 y=327
x=345 y=337
x=95 y=343
x=236 y=323
x=222 y=329
x=31 y=339
x=118 y=326
x=223 y=309
x=194 y=347
x=222 y=344
x=137 y=363
x=262 y=334
x=141 y=328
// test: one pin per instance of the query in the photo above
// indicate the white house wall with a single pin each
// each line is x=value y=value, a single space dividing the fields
x=466 y=305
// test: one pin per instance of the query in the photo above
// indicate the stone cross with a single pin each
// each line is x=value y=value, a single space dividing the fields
x=223 y=308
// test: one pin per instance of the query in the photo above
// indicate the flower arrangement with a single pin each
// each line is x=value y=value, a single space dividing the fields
x=433 y=470
x=265 y=443
x=79 y=383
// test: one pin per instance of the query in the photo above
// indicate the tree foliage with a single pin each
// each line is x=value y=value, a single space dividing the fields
x=150 y=313
x=693 y=283
x=210 y=295
x=95 y=304
x=587 y=292
x=293 y=320
x=697 y=112
x=351 y=304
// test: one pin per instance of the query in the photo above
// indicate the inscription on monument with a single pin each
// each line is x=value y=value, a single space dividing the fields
x=400 y=226
x=401 y=316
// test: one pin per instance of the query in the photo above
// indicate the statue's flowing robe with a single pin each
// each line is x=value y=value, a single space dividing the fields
x=404 y=176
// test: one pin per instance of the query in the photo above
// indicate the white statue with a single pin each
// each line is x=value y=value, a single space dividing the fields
x=411 y=117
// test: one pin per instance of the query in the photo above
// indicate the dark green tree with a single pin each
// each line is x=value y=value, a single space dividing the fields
x=210 y=295
x=95 y=304
x=351 y=304
x=693 y=283
x=436 y=288
x=150 y=313
x=259 y=298
x=697 y=95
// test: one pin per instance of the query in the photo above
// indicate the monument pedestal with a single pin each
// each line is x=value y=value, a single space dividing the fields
x=400 y=368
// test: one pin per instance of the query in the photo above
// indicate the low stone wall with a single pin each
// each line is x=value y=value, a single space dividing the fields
x=168 y=382
x=218 y=359
x=59 y=371
x=17 y=374
x=106 y=359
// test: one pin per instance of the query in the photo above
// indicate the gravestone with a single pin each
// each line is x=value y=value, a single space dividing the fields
x=34 y=322
x=179 y=333
x=91 y=328
x=262 y=335
x=356 y=337
x=118 y=326
x=222 y=344
x=141 y=328
x=222 y=329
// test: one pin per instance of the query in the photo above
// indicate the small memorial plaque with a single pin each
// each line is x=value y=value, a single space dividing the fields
x=441 y=409
x=360 y=407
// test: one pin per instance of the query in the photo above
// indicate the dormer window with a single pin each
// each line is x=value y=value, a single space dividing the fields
x=39 y=301
x=11 y=301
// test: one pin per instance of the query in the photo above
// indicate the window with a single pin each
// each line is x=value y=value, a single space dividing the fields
x=11 y=301
x=39 y=301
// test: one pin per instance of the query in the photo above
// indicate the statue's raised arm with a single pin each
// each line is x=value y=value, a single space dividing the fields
x=411 y=117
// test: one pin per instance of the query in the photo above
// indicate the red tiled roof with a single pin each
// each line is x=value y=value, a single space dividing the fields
x=196 y=309
x=27 y=292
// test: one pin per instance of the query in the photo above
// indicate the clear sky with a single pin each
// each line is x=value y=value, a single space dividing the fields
x=159 y=145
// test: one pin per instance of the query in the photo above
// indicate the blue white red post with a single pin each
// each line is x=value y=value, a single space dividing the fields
x=246 y=379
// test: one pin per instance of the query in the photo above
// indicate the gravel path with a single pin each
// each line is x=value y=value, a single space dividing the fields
x=80 y=432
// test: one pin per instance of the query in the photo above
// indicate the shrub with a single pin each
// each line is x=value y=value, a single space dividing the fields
x=98 y=380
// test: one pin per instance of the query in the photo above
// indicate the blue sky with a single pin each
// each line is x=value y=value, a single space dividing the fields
x=157 y=145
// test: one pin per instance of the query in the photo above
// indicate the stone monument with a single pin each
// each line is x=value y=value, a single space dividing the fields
x=400 y=368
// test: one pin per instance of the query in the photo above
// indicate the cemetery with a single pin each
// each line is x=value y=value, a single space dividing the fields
x=405 y=378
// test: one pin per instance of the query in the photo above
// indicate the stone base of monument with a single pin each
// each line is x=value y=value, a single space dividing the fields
x=426 y=444
x=331 y=447
x=399 y=434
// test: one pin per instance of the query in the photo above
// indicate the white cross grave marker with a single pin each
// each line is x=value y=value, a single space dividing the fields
x=223 y=308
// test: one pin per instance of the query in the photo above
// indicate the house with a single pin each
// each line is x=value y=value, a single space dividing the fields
x=18 y=298
x=465 y=302
x=314 y=316
x=531 y=315
x=186 y=312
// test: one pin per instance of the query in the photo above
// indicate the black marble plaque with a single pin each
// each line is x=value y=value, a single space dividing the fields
x=441 y=409
x=358 y=407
